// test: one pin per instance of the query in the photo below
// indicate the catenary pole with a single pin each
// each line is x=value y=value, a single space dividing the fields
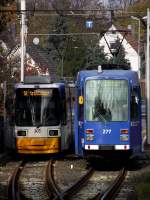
x=23 y=35
x=148 y=75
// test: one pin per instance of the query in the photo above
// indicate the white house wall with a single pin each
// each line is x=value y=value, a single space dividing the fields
x=131 y=54
x=4 y=46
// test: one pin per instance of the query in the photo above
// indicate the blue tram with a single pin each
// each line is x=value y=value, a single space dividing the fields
x=108 y=113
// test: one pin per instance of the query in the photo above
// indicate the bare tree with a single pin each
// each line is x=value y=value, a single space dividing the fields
x=73 y=4
x=121 y=3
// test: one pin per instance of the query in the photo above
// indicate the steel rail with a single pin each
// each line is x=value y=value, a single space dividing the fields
x=77 y=185
x=13 y=191
x=111 y=191
x=53 y=190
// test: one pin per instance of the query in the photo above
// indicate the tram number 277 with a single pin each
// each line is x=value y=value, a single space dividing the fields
x=106 y=131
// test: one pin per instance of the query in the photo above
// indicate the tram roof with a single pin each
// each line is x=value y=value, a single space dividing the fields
x=39 y=85
x=109 y=74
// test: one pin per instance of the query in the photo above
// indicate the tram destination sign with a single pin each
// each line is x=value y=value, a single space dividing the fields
x=36 y=92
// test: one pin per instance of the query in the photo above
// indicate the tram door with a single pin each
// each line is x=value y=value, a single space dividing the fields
x=65 y=119
x=135 y=116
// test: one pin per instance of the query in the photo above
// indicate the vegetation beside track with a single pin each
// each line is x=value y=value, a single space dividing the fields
x=143 y=187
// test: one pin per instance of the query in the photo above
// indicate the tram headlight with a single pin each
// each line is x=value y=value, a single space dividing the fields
x=124 y=137
x=89 y=131
x=21 y=133
x=89 y=134
x=89 y=137
x=124 y=131
x=53 y=132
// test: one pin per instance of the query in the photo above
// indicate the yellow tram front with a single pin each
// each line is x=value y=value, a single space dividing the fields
x=40 y=118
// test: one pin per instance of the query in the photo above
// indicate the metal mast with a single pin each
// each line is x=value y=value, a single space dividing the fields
x=148 y=75
x=23 y=36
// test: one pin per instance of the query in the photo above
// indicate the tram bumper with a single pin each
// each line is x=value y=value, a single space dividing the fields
x=107 y=151
x=107 y=147
x=38 y=145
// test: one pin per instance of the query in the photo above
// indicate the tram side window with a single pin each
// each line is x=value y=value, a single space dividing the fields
x=53 y=108
x=64 y=115
x=134 y=105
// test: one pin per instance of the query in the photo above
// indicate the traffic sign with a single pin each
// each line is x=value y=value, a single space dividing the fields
x=89 y=24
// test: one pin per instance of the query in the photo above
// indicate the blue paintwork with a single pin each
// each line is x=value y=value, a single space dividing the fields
x=108 y=138
x=80 y=125
x=106 y=74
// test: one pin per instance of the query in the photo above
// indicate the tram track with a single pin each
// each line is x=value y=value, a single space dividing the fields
x=78 y=185
x=108 y=194
x=14 y=192
x=13 y=189
x=112 y=190
x=52 y=188
x=67 y=194
x=63 y=179
x=58 y=194
x=17 y=173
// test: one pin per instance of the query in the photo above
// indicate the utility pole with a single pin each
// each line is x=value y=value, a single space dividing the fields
x=4 y=85
x=148 y=75
x=139 y=44
x=62 y=65
x=23 y=37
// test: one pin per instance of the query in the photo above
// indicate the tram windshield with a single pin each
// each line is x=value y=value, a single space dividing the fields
x=37 y=107
x=106 y=100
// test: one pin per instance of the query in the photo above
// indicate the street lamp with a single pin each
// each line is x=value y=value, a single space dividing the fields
x=139 y=46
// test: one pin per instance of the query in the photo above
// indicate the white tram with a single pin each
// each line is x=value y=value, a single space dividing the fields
x=43 y=118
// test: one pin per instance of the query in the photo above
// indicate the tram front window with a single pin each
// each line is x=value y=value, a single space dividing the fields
x=106 y=100
x=37 y=107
